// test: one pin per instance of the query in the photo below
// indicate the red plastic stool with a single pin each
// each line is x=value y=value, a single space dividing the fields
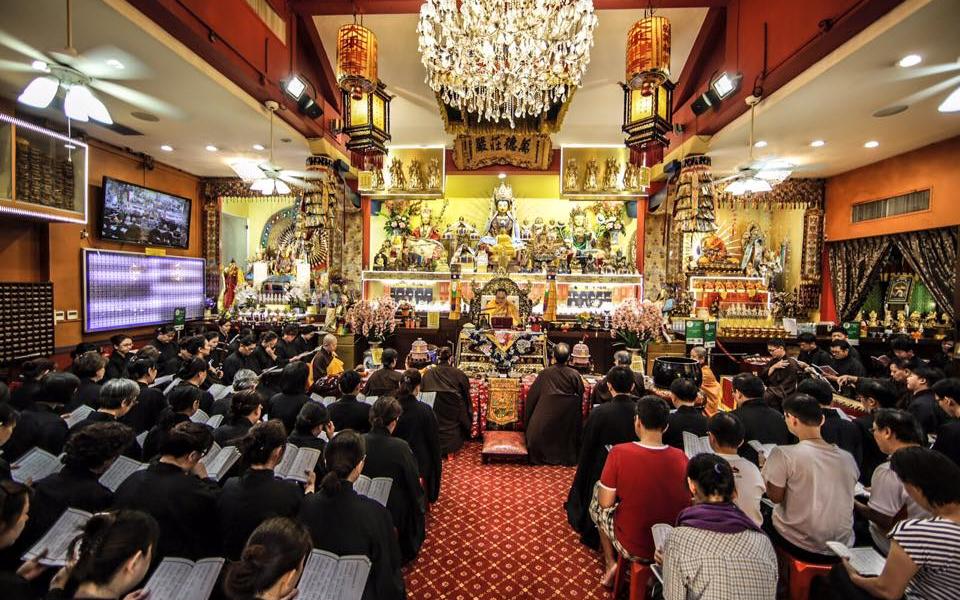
x=639 y=575
x=800 y=575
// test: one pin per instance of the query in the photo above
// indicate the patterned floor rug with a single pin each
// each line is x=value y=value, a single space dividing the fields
x=499 y=532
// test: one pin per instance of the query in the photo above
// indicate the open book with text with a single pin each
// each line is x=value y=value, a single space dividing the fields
x=34 y=466
x=182 y=579
x=694 y=444
x=762 y=449
x=162 y=381
x=428 y=398
x=56 y=541
x=377 y=488
x=220 y=391
x=205 y=419
x=297 y=463
x=324 y=400
x=219 y=460
x=327 y=576
x=76 y=415
x=118 y=472
x=865 y=560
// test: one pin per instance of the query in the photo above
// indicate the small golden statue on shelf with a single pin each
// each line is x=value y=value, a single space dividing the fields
x=398 y=180
x=631 y=178
x=611 y=175
x=915 y=320
x=415 y=182
x=378 y=183
x=947 y=321
x=902 y=321
x=873 y=319
x=591 y=180
x=433 y=175
x=859 y=319
x=930 y=320
x=571 y=176
x=888 y=320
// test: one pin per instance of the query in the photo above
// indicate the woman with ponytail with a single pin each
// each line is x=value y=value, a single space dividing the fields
x=452 y=405
x=312 y=422
x=420 y=429
x=251 y=498
x=193 y=373
x=246 y=407
x=343 y=522
x=184 y=401
x=391 y=457
x=271 y=562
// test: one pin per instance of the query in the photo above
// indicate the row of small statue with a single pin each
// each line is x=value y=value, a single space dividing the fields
x=610 y=181
x=903 y=323
x=413 y=180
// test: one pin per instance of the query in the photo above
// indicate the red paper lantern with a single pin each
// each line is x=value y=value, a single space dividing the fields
x=648 y=54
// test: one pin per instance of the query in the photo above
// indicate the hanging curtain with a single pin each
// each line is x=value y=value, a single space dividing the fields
x=855 y=267
x=933 y=255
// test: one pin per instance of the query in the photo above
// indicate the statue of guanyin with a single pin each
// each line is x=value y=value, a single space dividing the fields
x=502 y=220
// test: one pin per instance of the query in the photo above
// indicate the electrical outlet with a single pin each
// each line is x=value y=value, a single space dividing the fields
x=73 y=315
x=58 y=315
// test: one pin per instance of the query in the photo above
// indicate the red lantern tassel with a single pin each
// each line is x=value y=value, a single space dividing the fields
x=646 y=155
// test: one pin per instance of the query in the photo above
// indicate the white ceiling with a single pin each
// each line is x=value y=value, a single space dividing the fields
x=835 y=99
x=594 y=116
x=196 y=106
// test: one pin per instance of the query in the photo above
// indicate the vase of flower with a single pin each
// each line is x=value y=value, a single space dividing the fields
x=636 y=324
x=376 y=352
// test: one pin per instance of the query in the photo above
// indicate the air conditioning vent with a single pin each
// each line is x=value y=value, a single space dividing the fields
x=890 y=207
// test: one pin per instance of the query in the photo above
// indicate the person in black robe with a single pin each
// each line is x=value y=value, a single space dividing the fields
x=39 y=424
x=8 y=423
x=452 y=406
x=837 y=429
x=944 y=358
x=810 y=353
x=245 y=379
x=760 y=422
x=385 y=381
x=844 y=363
x=312 y=423
x=392 y=457
x=256 y=495
x=194 y=374
x=119 y=358
x=601 y=392
x=16 y=503
x=293 y=394
x=176 y=492
x=348 y=412
x=292 y=344
x=873 y=394
x=553 y=413
x=947 y=393
x=608 y=424
x=117 y=396
x=420 y=429
x=271 y=563
x=264 y=356
x=245 y=411
x=343 y=522
x=239 y=359
x=90 y=368
x=687 y=417
x=32 y=373
x=923 y=402
x=183 y=402
x=166 y=344
x=145 y=413
x=780 y=375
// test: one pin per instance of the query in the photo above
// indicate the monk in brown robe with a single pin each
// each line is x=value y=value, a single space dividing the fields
x=781 y=374
x=452 y=404
x=385 y=381
x=553 y=413
x=601 y=393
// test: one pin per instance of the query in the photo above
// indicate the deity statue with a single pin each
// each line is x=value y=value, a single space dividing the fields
x=231 y=277
x=620 y=262
x=380 y=260
x=591 y=180
x=888 y=320
x=631 y=177
x=545 y=244
x=873 y=319
x=434 y=177
x=930 y=320
x=378 y=183
x=397 y=179
x=502 y=221
x=753 y=250
x=571 y=176
x=579 y=236
x=902 y=321
x=503 y=252
x=859 y=319
x=429 y=227
x=415 y=182
x=947 y=321
x=915 y=320
x=611 y=175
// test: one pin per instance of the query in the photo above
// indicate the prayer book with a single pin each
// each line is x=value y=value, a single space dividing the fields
x=883 y=360
x=297 y=463
x=142 y=438
x=660 y=531
x=118 y=472
x=764 y=449
x=327 y=576
x=56 y=541
x=428 y=398
x=825 y=370
x=172 y=385
x=324 y=400
x=78 y=414
x=657 y=572
x=219 y=460
x=694 y=445
x=34 y=466
x=377 y=488
x=219 y=391
x=182 y=579
x=270 y=370
x=865 y=561
x=161 y=380
x=368 y=399
x=205 y=419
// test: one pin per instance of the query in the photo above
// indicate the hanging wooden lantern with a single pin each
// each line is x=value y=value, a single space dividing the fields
x=647 y=120
x=648 y=54
x=356 y=60
x=367 y=121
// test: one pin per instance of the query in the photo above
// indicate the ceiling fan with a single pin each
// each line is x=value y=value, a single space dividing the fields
x=758 y=176
x=267 y=177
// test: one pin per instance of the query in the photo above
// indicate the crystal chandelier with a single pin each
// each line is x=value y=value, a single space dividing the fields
x=505 y=59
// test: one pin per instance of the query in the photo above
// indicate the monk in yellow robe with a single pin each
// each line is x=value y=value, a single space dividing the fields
x=711 y=388
x=500 y=306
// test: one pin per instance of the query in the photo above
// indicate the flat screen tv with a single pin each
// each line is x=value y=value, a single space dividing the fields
x=123 y=289
x=134 y=214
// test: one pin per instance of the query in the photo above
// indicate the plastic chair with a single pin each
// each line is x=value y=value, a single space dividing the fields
x=800 y=575
x=639 y=575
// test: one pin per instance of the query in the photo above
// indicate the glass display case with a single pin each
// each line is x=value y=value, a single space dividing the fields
x=742 y=304
x=43 y=174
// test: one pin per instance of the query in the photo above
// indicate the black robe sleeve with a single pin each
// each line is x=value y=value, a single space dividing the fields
x=385 y=556
x=432 y=436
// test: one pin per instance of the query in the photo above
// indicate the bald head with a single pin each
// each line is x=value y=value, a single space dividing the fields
x=622 y=358
x=329 y=342
x=561 y=352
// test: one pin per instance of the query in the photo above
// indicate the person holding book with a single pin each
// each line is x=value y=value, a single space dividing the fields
x=14 y=516
x=726 y=436
x=240 y=358
x=348 y=412
x=452 y=405
x=889 y=502
x=780 y=375
x=715 y=550
x=924 y=558
x=119 y=357
x=271 y=562
x=420 y=429
x=39 y=424
x=923 y=401
x=873 y=394
x=947 y=393
x=249 y=499
x=623 y=507
x=245 y=379
x=90 y=368
x=8 y=424
x=176 y=491
x=292 y=344
x=837 y=427
x=193 y=374
x=344 y=523
x=286 y=405
x=391 y=457
x=183 y=402
x=810 y=353
x=313 y=420
x=844 y=362
x=811 y=482
x=264 y=356
x=687 y=416
x=145 y=412
x=385 y=381
x=117 y=397
x=761 y=423
x=245 y=410
x=608 y=424
x=165 y=343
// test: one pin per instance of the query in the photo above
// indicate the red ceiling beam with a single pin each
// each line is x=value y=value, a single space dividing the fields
x=388 y=7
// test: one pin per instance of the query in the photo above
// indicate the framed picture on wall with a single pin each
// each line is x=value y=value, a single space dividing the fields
x=898 y=292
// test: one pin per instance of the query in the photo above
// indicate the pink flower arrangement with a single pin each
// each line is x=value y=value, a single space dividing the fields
x=373 y=320
x=636 y=322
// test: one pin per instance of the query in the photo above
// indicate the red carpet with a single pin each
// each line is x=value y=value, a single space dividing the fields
x=499 y=531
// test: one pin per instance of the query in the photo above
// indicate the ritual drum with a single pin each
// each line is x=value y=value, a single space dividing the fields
x=668 y=368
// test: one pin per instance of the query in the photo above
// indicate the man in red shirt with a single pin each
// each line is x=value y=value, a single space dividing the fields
x=643 y=483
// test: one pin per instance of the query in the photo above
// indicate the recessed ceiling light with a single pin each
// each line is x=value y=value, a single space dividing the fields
x=871 y=144
x=258 y=147
x=166 y=148
x=952 y=103
x=760 y=144
x=211 y=148
x=116 y=64
x=910 y=60
x=817 y=143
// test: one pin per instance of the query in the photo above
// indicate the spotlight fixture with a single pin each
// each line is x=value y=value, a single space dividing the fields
x=871 y=144
x=726 y=84
x=294 y=86
x=760 y=144
x=166 y=148
x=952 y=103
x=211 y=148
x=309 y=107
x=910 y=60
x=817 y=143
